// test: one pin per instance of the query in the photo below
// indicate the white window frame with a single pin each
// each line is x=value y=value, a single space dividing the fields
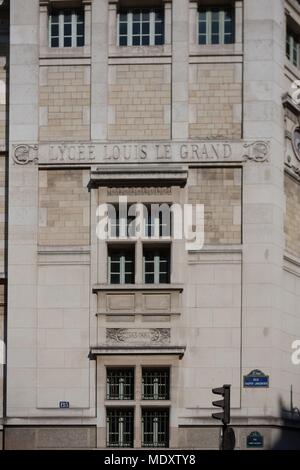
x=208 y=21
x=122 y=272
x=130 y=34
x=61 y=22
x=157 y=272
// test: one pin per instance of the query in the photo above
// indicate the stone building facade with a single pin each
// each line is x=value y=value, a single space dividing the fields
x=118 y=343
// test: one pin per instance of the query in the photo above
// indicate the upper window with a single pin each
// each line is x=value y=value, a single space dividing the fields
x=120 y=384
x=121 y=265
x=66 y=28
x=156 y=265
x=216 y=26
x=141 y=27
x=156 y=384
x=292 y=48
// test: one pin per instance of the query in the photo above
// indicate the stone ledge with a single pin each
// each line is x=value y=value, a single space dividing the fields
x=136 y=350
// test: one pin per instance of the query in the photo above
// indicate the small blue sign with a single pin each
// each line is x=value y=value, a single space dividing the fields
x=256 y=378
x=255 y=439
x=64 y=404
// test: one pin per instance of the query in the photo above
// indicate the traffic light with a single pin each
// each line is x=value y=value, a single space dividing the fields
x=224 y=416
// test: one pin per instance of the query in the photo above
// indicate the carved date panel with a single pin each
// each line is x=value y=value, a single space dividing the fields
x=138 y=336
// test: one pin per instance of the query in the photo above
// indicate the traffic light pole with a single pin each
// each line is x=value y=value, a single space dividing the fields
x=227 y=432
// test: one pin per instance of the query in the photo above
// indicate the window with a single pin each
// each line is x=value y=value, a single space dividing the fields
x=66 y=28
x=155 y=384
x=121 y=225
x=120 y=384
x=121 y=265
x=156 y=265
x=292 y=48
x=141 y=27
x=216 y=26
x=155 y=427
x=119 y=427
x=159 y=221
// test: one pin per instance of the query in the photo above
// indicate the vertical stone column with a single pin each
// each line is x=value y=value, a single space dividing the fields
x=99 y=69
x=23 y=208
x=87 y=22
x=112 y=20
x=263 y=194
x=180 y=69
x=168 y=21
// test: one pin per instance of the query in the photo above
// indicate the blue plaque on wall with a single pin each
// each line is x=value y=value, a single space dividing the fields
x=255 y=439
x=256 y=378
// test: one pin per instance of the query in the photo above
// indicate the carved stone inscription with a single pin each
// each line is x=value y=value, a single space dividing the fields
x=138 y=336
x=138 y=152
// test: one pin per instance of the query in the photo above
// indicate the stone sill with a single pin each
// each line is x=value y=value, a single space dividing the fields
x=133 y=403
x=139 y=51
x=137 y=287
x=65 y=52
x=136 y=350
x=216 y=49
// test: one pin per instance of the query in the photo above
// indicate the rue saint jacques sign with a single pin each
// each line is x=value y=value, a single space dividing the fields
x=139 y=152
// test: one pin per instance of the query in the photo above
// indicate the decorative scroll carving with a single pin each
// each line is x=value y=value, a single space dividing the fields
x=23 y=154
x=138 y=335
x=257 y=151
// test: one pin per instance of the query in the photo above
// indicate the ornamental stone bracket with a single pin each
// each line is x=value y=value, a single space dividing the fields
x=25 y=153
x=141 y=152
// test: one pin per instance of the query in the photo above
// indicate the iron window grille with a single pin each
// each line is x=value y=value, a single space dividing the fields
x=119 y=427
x=120 y=384
x=155 y=427
x=121 y=266
x=156 y=265
x=216 y=26
x=66 y=28
x=156 y=384
x=141 y=27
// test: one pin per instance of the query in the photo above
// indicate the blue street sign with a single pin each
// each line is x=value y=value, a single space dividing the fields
x=255 y=439
x=256 y=378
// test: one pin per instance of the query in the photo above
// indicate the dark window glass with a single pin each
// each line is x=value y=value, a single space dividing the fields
x=54 y=42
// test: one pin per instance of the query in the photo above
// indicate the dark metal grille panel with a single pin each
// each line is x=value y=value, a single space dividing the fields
x=119 y=427
x=155 y=427
x=120 y=384
x=156 y=384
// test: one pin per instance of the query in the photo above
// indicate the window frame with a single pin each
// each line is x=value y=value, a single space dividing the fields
x=222 y=10
x=156 y=442
x=157 y=273
x=152 y=24
x=121 y=432
x=156 y=395
x=122 y=251
x=118 y=383
x=293 y=42
x=61 y=13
